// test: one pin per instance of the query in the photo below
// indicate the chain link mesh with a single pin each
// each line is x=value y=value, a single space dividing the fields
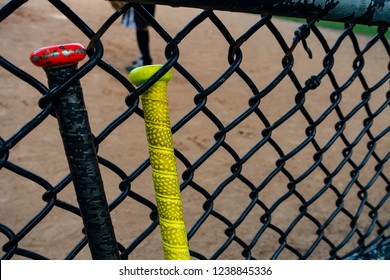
x=300 y=172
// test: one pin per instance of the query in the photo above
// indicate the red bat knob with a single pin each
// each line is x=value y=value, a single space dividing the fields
x=58 y=55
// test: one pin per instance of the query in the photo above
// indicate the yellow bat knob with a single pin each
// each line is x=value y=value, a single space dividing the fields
x=163 y=162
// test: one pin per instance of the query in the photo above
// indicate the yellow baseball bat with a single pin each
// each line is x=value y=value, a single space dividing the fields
x=163 y=162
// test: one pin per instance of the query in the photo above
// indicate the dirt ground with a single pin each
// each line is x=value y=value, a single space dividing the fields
x=204 y=54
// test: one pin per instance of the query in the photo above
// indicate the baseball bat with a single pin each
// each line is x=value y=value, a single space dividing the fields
x=163 y=162
x=60 y=63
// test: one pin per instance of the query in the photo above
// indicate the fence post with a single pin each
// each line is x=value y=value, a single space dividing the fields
x=351 y=11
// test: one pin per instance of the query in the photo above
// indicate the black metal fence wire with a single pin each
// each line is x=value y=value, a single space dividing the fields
x=352 y=222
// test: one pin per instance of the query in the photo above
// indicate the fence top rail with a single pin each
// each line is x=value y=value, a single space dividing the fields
x=367 y=12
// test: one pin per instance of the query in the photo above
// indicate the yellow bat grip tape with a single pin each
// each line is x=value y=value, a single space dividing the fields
x=163 y=162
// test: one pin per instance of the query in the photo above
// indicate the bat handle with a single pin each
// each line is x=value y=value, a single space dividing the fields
x=163 y=162
x=60 y=63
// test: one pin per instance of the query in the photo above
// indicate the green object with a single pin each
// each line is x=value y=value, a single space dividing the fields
x=163 y=162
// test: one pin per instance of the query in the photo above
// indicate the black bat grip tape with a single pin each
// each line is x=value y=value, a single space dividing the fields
x=80 y=151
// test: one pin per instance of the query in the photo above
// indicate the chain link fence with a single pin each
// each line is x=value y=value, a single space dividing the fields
x=277 y=160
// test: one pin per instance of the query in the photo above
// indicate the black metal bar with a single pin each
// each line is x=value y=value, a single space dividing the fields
x=376 y=252
x=374 y=12
x=80 y=150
